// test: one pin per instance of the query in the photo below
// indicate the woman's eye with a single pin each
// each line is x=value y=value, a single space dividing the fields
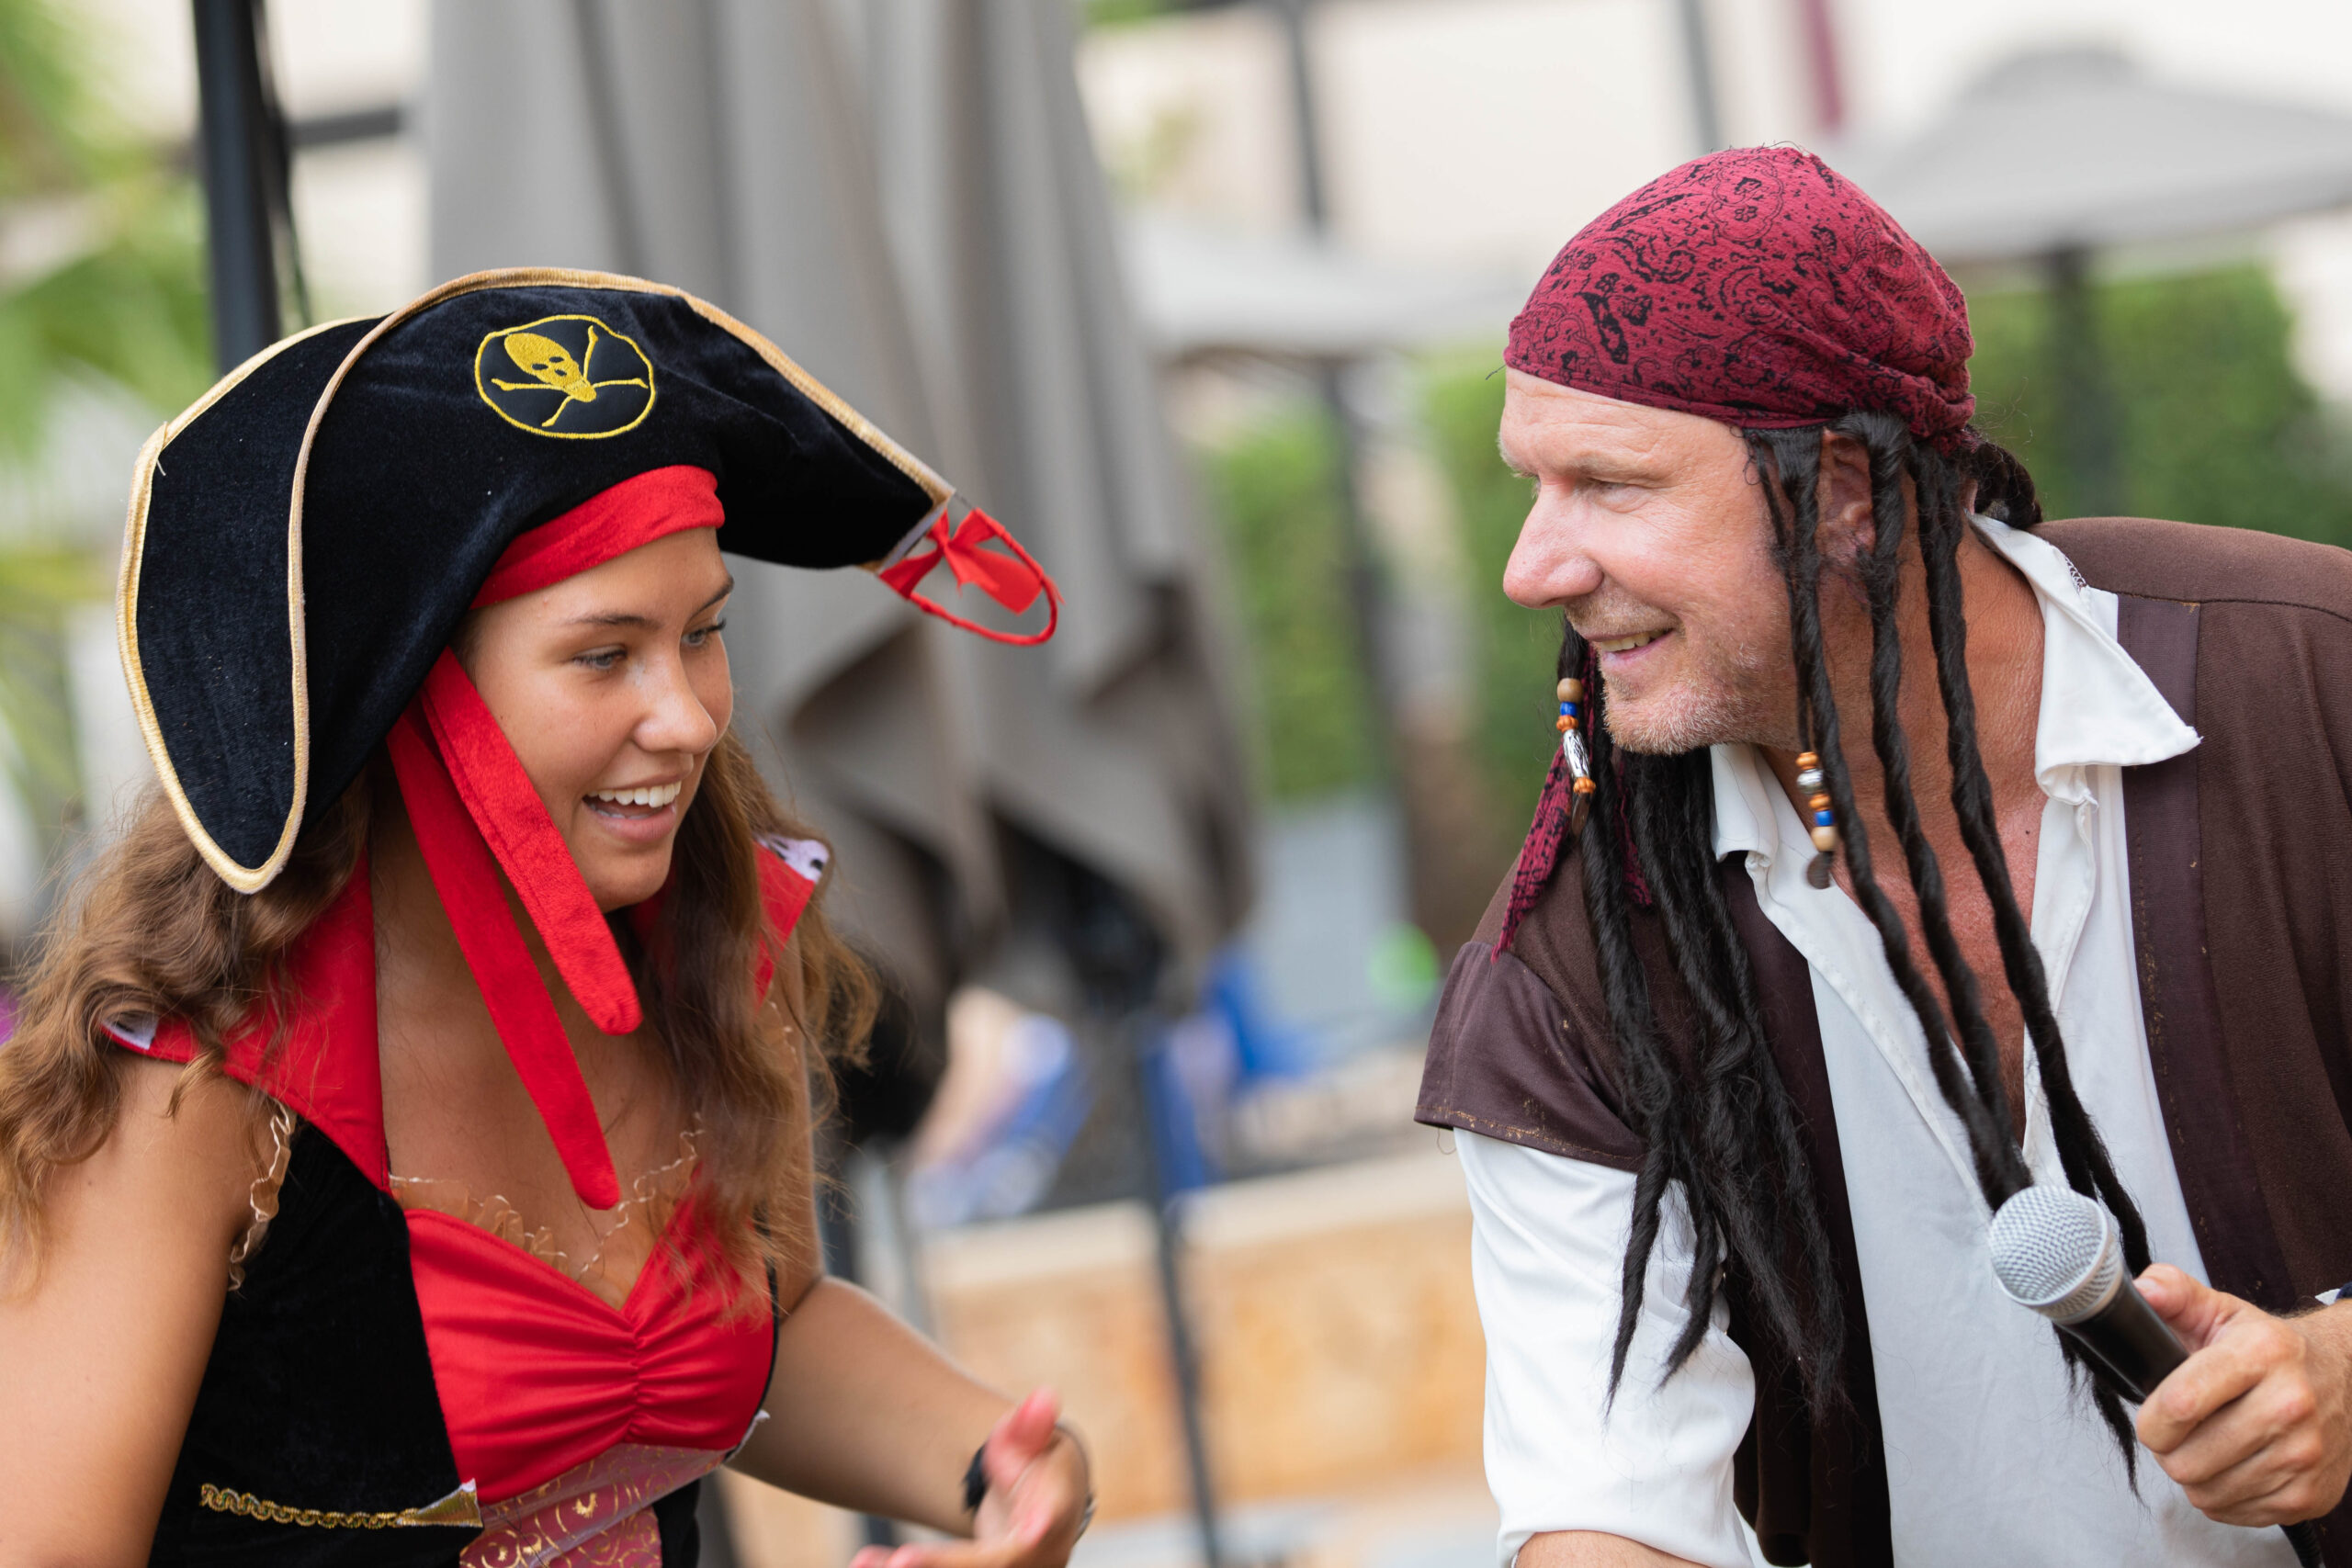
x=600 y=657
x=702 y=635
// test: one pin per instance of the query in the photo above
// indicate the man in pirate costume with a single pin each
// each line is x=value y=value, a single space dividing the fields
x=1861 y=755
x=404 y=1147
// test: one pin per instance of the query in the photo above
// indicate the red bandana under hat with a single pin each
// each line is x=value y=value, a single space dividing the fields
x=1760 y=288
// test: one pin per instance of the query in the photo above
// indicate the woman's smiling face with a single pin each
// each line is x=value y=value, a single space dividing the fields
x=613 y=687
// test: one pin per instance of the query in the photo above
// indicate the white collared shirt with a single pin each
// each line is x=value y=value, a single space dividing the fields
x=1991 y=1457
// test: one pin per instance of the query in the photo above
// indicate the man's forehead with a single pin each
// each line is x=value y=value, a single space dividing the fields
x=1547 y=423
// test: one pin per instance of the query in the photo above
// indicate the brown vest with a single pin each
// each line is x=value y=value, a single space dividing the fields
x=2241 y=868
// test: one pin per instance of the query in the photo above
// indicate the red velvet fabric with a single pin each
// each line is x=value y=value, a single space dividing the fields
x=536 y=1374
x=325 y=1070
x=1760 y=288
x=652 y=505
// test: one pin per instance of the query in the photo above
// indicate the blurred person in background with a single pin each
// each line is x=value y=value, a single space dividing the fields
x=1731 y=1152
x=405 y=1144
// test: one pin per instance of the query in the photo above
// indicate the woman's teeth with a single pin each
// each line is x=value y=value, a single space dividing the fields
x=653 y=795
x=1626 y=643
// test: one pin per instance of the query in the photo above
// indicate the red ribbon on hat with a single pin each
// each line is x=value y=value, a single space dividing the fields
x=460 y=858
x=1013 y=581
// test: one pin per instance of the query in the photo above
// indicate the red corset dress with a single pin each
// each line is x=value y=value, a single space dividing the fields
x=404 y=1374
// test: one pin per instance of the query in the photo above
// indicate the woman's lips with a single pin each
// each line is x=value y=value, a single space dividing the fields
x=637 y=824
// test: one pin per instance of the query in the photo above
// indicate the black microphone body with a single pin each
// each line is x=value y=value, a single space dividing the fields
x=2128 y=1343
x=2058 y=1253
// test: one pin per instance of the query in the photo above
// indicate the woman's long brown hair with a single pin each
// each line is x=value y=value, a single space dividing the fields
x=151 y=930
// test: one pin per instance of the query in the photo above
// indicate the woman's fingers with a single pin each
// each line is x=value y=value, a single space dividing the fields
x=1019 y=1439
x=957 y=1555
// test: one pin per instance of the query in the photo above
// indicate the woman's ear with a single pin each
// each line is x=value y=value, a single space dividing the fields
x=1848 y=530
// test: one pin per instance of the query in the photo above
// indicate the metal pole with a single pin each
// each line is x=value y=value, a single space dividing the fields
x=242 y=255
x=1306 y=138
x=1367 y=594
x=1168 y=1236
x=2089 y=428
x=1699 y=66
x=837 y=1234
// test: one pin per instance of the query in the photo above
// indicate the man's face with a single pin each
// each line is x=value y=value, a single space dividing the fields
x=1649 y=530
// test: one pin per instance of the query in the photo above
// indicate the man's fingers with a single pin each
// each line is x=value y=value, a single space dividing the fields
x=2206 y=1381
x=2195 y=1312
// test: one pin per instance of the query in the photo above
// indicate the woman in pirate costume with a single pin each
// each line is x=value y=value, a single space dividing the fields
x=404 y=1148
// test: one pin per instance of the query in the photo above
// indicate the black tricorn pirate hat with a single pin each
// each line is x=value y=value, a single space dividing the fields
x=303 y=540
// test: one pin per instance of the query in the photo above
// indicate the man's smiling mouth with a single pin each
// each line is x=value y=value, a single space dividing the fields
x=1624 y=643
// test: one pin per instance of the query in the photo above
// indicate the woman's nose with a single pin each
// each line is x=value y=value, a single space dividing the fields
x=675 y=719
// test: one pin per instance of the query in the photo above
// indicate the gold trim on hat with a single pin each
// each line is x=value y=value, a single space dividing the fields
x=245 y=879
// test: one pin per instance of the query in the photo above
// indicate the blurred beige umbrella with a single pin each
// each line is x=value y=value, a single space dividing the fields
x=2053 y=154
x=723 y=145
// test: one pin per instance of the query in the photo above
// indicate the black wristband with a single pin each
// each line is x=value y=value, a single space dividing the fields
x=976 y=1480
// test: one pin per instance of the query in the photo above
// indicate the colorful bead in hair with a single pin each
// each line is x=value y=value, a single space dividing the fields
x=1572 y=747
x=1819 y=817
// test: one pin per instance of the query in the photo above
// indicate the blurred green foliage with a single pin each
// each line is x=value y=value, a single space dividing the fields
x=1273 y=492
x=101 y=280
x=2214 y=423
x=1117 y=13
x=1517 y=650
x=109 y=277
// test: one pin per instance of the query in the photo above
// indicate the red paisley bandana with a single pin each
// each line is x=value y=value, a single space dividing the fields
x=1760 y=288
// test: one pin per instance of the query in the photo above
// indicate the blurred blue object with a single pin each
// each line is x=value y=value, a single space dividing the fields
x=1263 y=1045
x=1010 y=1164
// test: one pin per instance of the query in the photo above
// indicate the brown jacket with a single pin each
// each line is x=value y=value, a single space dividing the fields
x=2241 y=870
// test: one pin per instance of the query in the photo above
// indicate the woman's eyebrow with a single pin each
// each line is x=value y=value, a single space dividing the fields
x=644 y=623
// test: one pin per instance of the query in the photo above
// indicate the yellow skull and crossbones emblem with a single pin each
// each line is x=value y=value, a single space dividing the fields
x=562 y=356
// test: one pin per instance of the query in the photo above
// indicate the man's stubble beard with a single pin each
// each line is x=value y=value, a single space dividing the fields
x=1724 y=701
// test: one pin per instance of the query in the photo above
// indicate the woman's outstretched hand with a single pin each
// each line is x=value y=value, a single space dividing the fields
x=1037 y=1504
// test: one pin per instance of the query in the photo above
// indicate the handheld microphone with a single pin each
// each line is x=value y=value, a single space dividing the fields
x=2060 y=1253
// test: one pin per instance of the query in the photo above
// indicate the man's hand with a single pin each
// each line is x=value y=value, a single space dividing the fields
x=2256 y=1425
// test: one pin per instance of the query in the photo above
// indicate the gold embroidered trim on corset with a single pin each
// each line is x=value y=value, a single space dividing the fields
x=653 y=1198
x=262 y=1196
x=459 y=1507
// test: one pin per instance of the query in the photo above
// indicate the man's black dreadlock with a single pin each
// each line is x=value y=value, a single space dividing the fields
x=1717 y=1121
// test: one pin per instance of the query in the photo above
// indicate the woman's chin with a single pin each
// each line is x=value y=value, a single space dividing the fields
x=618 y=881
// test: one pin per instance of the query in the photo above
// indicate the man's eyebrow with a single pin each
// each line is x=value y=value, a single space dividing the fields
x=1508 y=461
x=645 y=622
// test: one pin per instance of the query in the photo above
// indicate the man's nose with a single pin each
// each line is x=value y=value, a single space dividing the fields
x=1549 y=565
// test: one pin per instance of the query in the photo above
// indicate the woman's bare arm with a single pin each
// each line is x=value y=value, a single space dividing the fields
x=1589 y=1548
x=104 y=1345
x=866 y=1414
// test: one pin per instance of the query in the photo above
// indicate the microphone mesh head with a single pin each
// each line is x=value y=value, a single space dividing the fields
x=2056 y=1251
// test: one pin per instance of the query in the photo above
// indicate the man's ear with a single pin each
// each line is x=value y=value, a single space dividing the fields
x=1848 y=532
